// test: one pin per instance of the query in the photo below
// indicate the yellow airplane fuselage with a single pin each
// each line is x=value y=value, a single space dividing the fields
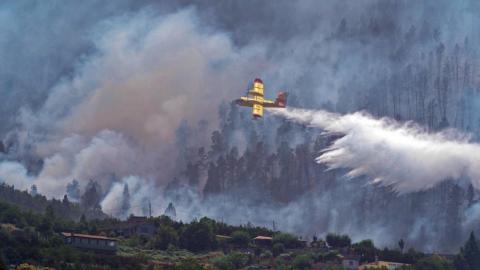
x=255 y=99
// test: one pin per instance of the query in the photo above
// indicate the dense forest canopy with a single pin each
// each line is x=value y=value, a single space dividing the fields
x=126 y=105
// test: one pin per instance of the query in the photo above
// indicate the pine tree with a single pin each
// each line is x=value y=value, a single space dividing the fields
x=49 y=213
x=213 y=184
x=125 y=200
x=3 y=264
x=470 y=195
x=170 y=211
x=92 y=196
x=33 y=190
x=2 y=147
x=471 y=252
x=73 y=190
x=401 y=245
x=217 y=146
x=460 y=263
x=193 y=174
x=65 y=200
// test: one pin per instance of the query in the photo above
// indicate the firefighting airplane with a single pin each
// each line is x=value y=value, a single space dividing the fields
x=256 y=100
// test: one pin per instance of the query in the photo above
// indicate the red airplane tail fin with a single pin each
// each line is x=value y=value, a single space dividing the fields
x=281 y=100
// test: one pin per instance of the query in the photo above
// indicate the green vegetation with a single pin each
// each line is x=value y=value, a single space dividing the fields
x=471 y=252
x=188 y=264
x=278 y=248
x=288 y=240
x=366 y=249
x=241 y=238
x=165 y=237
x=433 y=262
x=199 y=236
x=302 y=262
x=31 y=240
x=37 y=203
x=234 y=260
x=338 y=241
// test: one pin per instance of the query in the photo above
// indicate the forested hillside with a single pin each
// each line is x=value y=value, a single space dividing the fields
x=272 y=161
x=36 y=203
x=34 y=241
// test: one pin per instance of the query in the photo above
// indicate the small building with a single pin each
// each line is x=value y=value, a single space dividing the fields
x=350 y=261
x=223 y=238
x=140 y=226
x=92 y=242
x=134 y=225
x=263 y=241
x=319 y=244
x=302 y=243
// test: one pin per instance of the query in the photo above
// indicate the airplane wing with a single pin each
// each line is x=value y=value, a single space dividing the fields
x=245 y=101
x=269 y=104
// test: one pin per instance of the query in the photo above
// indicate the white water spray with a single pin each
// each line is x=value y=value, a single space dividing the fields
x=400 y=155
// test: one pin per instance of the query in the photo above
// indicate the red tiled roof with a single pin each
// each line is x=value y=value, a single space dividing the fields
x=262 y=238
x=87 y=236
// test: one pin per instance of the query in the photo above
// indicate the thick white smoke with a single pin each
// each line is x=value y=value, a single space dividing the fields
x=117 y=113
x=402 y=156
x=16 y=173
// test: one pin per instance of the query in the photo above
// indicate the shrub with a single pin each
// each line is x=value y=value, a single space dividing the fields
x=188 y=264
x=338 y=241
x=166 y=236
x=223 y=263
x=132 y=242
x=328 y=256
x=257 y=251
x=234 y=260
x=240 y=238
x=239 y=260
x=278 y=248
x=288 y=240
x=302 y=262
x=198 y=236
x=279 y=263
x=266 y=255
x=366 y=249
x=3 y=264
x=433 y=262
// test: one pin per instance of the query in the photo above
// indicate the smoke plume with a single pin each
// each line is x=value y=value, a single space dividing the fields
x=119 y=112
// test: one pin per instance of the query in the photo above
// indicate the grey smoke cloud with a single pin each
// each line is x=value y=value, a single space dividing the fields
x=39 y=43
x=103 y=87
x=401 y=156
x=304 y=47
x=119 y=112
